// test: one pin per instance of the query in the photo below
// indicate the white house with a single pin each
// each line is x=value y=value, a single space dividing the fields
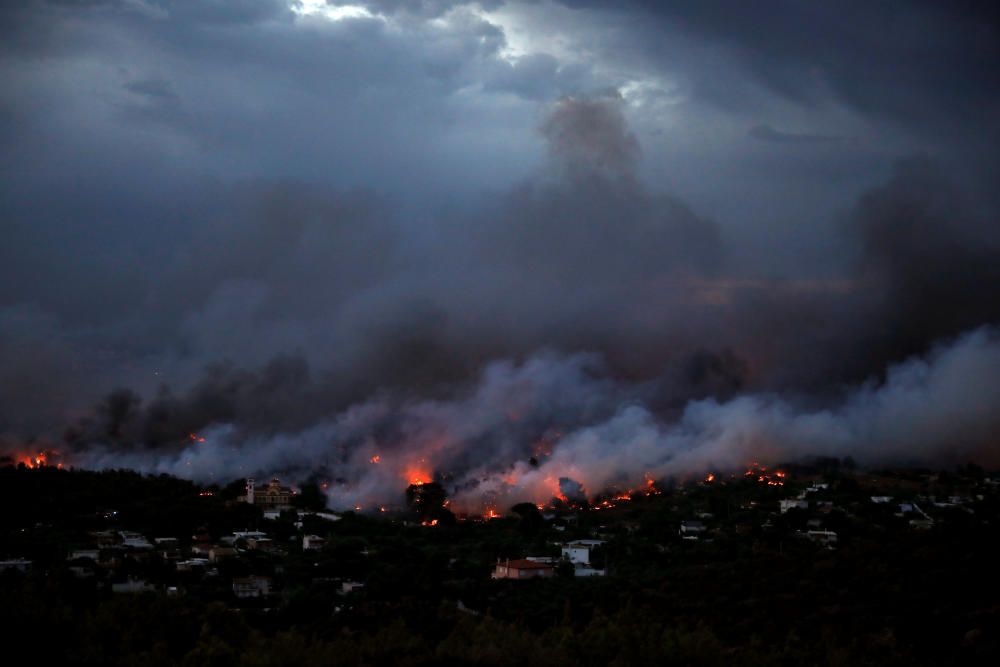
x=312 y=542
x=793 y=503
x=690 y=530
x=350 y=586
x=827 y=537
x=578 y=551
x=131 y=540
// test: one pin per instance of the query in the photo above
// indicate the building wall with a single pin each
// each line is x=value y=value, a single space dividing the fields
x=576 y=554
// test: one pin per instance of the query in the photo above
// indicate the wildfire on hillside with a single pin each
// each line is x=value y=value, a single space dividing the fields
x=763 y=476
x=41 y=459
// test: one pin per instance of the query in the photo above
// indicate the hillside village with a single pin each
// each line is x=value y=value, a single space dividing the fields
x=269 y=549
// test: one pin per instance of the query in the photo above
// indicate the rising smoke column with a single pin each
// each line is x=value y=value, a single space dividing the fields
x=557 y=426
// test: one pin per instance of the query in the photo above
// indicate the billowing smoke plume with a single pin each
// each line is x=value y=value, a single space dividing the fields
x=575 y=333
x=557 y=426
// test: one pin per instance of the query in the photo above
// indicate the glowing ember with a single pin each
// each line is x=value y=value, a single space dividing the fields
x=417 y=475
x=194 y=437
x=709 y=478
x=375 y=459
x=762 y=476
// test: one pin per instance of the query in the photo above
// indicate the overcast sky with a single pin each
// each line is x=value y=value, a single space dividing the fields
x=709 y=197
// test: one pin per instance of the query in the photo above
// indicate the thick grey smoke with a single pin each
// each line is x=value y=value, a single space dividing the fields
x=557 y=425
x=510 y=245
x=661 y=361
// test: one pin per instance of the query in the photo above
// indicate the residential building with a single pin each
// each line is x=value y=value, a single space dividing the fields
x=690 y=530
x=522 y=569
x=350 y=586
x=132 y=540
x=132 y=586
x=252 y=587
x=827 y=537
x=578 y=551
x=272 y=496
x=793 y=504
x=16 y=564
x=312 y=542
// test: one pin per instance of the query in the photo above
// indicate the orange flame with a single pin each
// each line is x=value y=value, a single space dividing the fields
x=417 y=475
x=39 y=460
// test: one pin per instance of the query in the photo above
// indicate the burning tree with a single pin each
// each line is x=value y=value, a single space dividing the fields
x=427 y=501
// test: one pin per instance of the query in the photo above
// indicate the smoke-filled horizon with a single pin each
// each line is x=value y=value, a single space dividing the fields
x=499 y=243
x=523 y=432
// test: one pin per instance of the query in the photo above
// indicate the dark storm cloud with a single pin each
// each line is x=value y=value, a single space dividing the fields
x=770 y=134
x=923 y=62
